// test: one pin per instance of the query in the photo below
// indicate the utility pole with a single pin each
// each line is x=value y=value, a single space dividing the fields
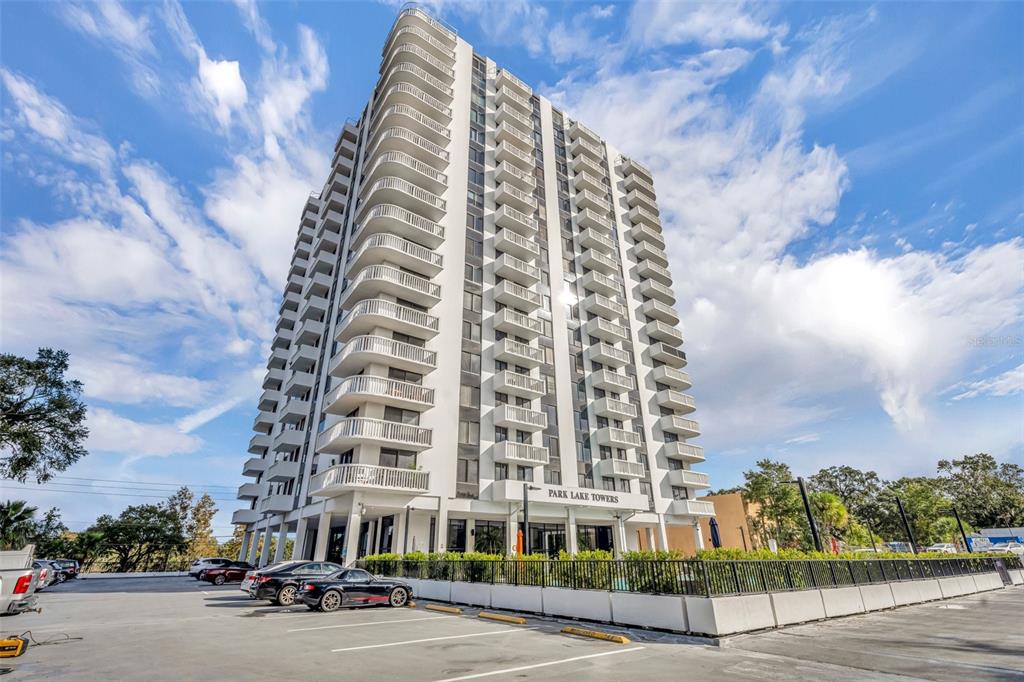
x=526 y=516
x=960 y=524
x=906 y=524
x=810 y=516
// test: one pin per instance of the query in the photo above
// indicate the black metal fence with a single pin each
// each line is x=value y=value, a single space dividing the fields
x=688 y=576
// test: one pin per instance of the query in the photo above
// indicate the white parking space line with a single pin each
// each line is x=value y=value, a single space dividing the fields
x=506 y=671
x=366 y=623
x=432 y=639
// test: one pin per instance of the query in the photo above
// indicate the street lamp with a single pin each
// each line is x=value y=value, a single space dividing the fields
x=526 y=516
x=810 y=517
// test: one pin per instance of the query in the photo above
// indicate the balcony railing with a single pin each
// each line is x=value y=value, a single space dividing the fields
x=602 y=284
x=376 y=309
x=422 y=286
x=520 y=453
x=510 y=293
x=352 y=430
x=695 y=508
x=410 y=168
x=517 y=323
x=404 y=139
x=602 y=305
x=648 y=251
x=506 y=97
x=520 y=418
x=428 y=125
x=688 y=428
x=407 y=253
x=638 y=214
x=343 y=477
x=365 y=388
x=440 y=47
x=592 y=239
x=516 y=244
x=660 y=331
x=397 y=353
x=506 y=172
x=506 y=152
x=606 y=330
x=656 y=290
x=631 y=167
x=408 y=51
x=508 y=381
x=407 y=93
x=513 y=219
x=511 y=116
x=609 y=355
x=613 y=380
x=620 y=438
x=689 y=479
x=519 y=353
x=621 y=468
x=407 y=70
x=650 y=270
x=392 y=218
x=510 y=267
x=398 y=189
x=592 y=220
x=684 y=451
x=619 y=409
x=506 y=194
x=671 y=376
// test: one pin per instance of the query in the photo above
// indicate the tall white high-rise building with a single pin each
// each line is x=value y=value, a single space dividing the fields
x=479 y=301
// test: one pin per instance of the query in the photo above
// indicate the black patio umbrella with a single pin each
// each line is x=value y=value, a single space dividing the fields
x=716 y=538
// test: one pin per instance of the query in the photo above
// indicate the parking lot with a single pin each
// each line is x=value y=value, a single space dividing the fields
x=179 y=629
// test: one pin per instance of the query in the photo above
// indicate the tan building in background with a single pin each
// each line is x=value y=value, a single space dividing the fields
x=735 y=526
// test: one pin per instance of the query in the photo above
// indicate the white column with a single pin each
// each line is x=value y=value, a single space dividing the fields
x=323 y=536
x=299 y=548
x=571 y=541
x=662 y=533
x=441 y=530
x=282 y=538
x=244 y=549
x=698 y=536
x=355 y=519
x=470 y=535
x=375 y=536
x=398 y=533
x=254 y=544
x=511 y=527
x=649 y=532
x=620 y=537
x=265 y=551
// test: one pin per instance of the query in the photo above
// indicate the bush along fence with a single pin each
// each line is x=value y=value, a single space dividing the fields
x=685 y=577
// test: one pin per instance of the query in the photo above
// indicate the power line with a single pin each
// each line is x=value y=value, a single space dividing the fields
x=127 y=488
x=86 y=492
x=177 y=485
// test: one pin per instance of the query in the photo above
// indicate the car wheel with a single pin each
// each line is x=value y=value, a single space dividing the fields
x=331 y=601
x=201 y=576
x=218 y=580
x=61 y=578
x=286 y=597
x=399 y=597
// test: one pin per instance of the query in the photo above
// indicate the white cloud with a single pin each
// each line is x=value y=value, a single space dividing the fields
x=1010 y=382
x=124 y=380
x=805 y=438
x=221 y=82
x=667 y=22
x=110 y=432
x=255 y=23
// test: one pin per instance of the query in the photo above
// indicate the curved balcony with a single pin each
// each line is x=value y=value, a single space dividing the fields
x=362 y=351
x=254 y=466
x=681 y=426
x=614 y=409
x=640 y=215
x=520 y=418
x=406 y=116
x=513 y=219
x=603 y=284
x=390 y=248
x=522 y=385
x=410 y=52
x=520 y=453
x=506 y=172
x=374 y=280
x=613 y=382
x=580 y=147
x=684 y=452
x=516 y=353
x=392 y=190
x=674 y=400
x=506 y=98
x=364 y=388
x=281 y=471
x=606 y=330
x=669 y=376
x=656 y=310
x=508 y=195
x=519 y=246
x=399 y=139
x=366 y=316
x=619 y=468
x=407 y=72
x=647 y=251
x=412 y=15
x=653 y=271
x=595 y=260
x=344 y=478
x=666 y=333
x=506 y=80
x=604 y=306
x=362 y=430
x=608 y=355
x=521 y=122
x=517 y=270
x=517 y=324
x=658 y=291
x=673 y=357
x=414 y=34
x=392 y=219
x=594 y=239
x=517 y=296
x=508 y=153
x=592 y=220
x=402 y=165
x=617 y=438
x=409 y=94
x=512 y=135
x=691 y=508
x=688 y=479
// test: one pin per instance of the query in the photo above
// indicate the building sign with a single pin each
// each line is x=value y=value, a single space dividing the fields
x=582 y=496
x=512 y=491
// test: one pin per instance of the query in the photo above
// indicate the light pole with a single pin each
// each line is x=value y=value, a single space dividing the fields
x=906 y=524
x=810 y=517
x=960 y=525
x=526 y=516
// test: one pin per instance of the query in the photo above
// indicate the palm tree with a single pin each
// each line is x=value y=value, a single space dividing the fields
x=15 y=523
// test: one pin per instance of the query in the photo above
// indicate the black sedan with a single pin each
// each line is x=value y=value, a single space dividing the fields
x=280 y=583
x=353 y=587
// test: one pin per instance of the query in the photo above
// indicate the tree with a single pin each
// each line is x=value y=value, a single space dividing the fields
x=15 y=524
x=42 y=419
x=858 y=490
x=924 y=502
x=829 y=513
x=196 y=520
x=771 y=487
x=986 y=493
x=232 y=547
x=139 y=535
x=50 y=535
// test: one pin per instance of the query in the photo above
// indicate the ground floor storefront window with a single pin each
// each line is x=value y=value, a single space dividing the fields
x=594 y=537
x=489 y=537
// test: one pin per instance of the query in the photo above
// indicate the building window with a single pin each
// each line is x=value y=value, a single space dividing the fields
x=400 y=459
x=475 y=199
x=474 y=273
x=456 y=535
x=470 y=362
x=474 y=247
x=467 y=470
x=524 y=473
x=469 y=396
x=680 y=493
x=477 y=135
x=623 y=485
x=500 y=434
x=475 y=222
x=470 y=330
x=476 y=156
x=469 y=432
x=471 y=301
x=500 y=471
x=552 y=477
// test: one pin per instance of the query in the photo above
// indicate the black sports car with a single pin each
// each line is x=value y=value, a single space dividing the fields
x=353 y=587
x=280 y=583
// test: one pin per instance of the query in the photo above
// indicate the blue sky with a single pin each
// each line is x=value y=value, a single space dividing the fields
x=842 y=185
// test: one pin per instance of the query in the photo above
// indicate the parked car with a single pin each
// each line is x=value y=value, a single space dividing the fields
x=47 y=574
x=353 y=587
x=68 y=568
x=18 y=580
x=943 y=547
x=280 y=583
x=235 y=571
x=1002 y=547
x=200 y=565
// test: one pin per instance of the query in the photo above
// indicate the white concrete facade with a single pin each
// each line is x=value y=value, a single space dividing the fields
x=478 y=301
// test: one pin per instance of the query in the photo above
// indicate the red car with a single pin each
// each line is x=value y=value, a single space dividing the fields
x=232 y=572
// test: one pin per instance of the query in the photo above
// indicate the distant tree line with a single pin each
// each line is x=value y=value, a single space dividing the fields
x=855 y=506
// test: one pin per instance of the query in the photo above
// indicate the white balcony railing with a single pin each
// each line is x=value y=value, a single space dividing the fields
x=351 y=430
x=343 y=477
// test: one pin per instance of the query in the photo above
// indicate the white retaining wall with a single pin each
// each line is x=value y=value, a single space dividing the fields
x=716 y=616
